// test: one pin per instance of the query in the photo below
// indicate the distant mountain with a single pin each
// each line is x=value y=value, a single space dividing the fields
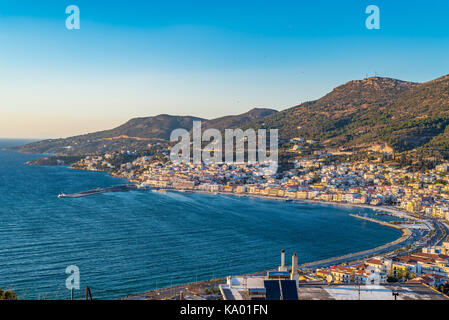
x=157 y=128
x=237 y=121
x=364 y=113
x=136 y=134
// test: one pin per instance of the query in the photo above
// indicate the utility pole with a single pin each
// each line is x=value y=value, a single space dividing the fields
x=280 y=290
x=358 y=287
x=359 y=291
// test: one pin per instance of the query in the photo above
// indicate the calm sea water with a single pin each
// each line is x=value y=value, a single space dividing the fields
x=125 y=243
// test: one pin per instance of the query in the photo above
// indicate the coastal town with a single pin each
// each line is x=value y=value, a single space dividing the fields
x=419 y=198
x=365 y=182
x=208 y=159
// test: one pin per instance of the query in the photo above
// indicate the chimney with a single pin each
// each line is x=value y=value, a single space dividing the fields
x=294 y=266
x=282 y=258
x=282 y=266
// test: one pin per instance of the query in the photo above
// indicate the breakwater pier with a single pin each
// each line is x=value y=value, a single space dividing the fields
x=118 y=188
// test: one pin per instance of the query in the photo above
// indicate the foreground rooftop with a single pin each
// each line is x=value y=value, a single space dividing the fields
x=404 y=291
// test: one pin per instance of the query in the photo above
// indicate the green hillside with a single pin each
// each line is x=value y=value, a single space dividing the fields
x=361 y=114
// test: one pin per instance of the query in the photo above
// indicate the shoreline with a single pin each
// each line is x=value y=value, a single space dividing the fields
x=364 y=254
x=385 y=248
x=406 y=232
x=389 y=210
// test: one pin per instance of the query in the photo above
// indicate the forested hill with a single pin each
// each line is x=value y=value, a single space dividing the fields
x=363 y=113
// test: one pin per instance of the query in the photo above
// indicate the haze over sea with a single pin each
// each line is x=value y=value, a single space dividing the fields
x=125 y=243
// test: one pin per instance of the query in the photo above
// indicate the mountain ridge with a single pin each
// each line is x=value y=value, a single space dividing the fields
x=354 y=116
x=135 y=134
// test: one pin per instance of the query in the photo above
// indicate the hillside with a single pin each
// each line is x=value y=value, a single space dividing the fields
x=136 y=134
x=364 y=113
x=346 y=104
x=421 y=118
x=237 y=121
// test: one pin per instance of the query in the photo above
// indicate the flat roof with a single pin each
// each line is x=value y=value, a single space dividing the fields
x=242 y=283
x=406 y=291
x=278 y=273
x=315 y=291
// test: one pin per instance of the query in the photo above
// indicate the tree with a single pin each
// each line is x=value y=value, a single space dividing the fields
x=391 y=279
x=444 y=288
x=7 y=295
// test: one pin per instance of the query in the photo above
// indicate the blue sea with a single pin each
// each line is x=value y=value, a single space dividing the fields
x=127 y=243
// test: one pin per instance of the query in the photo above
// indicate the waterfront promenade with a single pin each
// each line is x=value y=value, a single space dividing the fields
x=402 y=241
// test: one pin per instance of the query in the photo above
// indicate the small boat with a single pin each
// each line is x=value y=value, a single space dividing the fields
x=61 y=195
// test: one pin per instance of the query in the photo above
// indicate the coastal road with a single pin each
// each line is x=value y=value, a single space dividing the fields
x=411 y=236
x=405 y=240
x=441 y=228
x=414 y=236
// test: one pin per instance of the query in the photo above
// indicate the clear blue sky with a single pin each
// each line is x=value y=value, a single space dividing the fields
x=204 y=58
